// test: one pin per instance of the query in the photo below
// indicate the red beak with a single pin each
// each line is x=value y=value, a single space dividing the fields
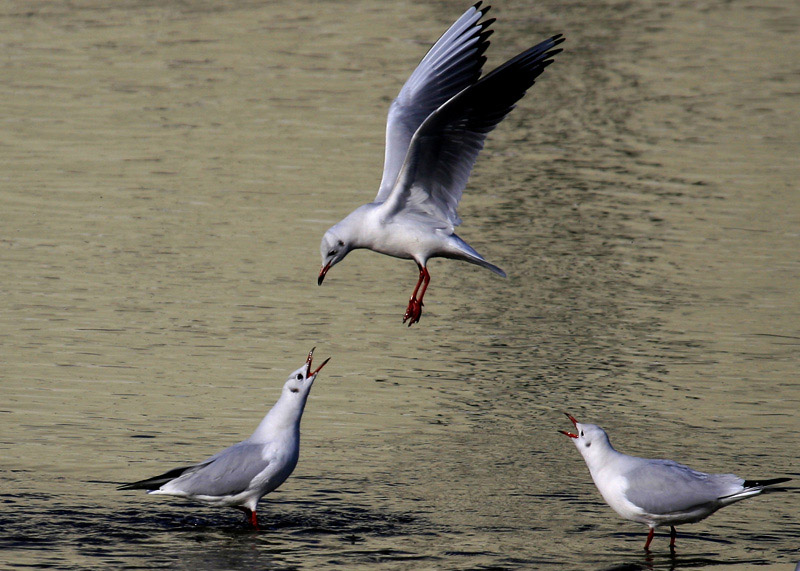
x=574 y=423
x=322 y=273
x=308 y=362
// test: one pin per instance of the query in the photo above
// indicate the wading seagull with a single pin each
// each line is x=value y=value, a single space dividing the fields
x=657 y=492
x=435 y=129
x=241 y=474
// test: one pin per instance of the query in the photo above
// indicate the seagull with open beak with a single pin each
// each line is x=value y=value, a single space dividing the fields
x=241 y=474
x=657 y=492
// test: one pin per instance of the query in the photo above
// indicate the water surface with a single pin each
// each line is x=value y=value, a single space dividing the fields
x=168 y=170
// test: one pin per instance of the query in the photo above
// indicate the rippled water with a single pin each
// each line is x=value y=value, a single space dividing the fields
x=168 y=170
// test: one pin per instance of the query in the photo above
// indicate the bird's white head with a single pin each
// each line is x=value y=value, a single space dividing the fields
x=299 y=382
x=333 y=248
x=590 y=439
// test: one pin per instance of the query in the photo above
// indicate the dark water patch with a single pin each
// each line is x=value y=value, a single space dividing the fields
x=166 y=534
x=671 y=562
x=88 y=528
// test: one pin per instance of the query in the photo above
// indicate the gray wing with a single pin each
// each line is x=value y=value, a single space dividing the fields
x=453 y=63
x=226 y=473
x=446 y=145
x=664 y=486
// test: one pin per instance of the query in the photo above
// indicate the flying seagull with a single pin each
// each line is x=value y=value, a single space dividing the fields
x=436 y=127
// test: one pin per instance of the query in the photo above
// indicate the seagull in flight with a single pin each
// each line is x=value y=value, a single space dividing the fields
x=436 y=127
x=241 y=474
x=657 y=492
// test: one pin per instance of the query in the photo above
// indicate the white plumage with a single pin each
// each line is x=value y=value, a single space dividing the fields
x=657 y=492
x=242 y=474
x=436 y=127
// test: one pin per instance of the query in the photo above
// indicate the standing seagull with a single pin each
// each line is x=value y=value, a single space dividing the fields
x=435 y=130
x=657 y=492
x=241 y=474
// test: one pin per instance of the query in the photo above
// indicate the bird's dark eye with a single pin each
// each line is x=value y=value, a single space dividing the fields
x=581 y=432
x=299 y=377
x=341 y=243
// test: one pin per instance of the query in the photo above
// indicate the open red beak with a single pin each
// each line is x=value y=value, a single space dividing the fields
x=322 y=273
x=574 y=423
x=308 y=362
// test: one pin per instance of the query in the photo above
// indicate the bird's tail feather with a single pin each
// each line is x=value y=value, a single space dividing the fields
x=488 y=265
x=467 y=253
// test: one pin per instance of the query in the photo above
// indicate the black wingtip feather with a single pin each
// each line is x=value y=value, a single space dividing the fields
x=155 y=482
x=483 y=44
x=763 y=483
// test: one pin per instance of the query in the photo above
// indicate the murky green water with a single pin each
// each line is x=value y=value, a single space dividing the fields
x=168 y=170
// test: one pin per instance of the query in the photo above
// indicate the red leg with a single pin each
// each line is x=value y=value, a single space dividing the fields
x=649 y=539
x=424 y=285
x=251 y=516
x=419 y=282
x=414 y=310
x=672 y=535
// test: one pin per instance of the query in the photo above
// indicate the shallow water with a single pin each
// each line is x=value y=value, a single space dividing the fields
x=168 y=170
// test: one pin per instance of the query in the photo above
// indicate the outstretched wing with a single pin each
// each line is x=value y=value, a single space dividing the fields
x=453 y=63
x=446 y=145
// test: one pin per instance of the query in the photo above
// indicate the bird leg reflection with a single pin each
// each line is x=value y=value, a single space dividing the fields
x=414 y=310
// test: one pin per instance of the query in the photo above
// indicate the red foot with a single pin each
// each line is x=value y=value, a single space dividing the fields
x=413 y=312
